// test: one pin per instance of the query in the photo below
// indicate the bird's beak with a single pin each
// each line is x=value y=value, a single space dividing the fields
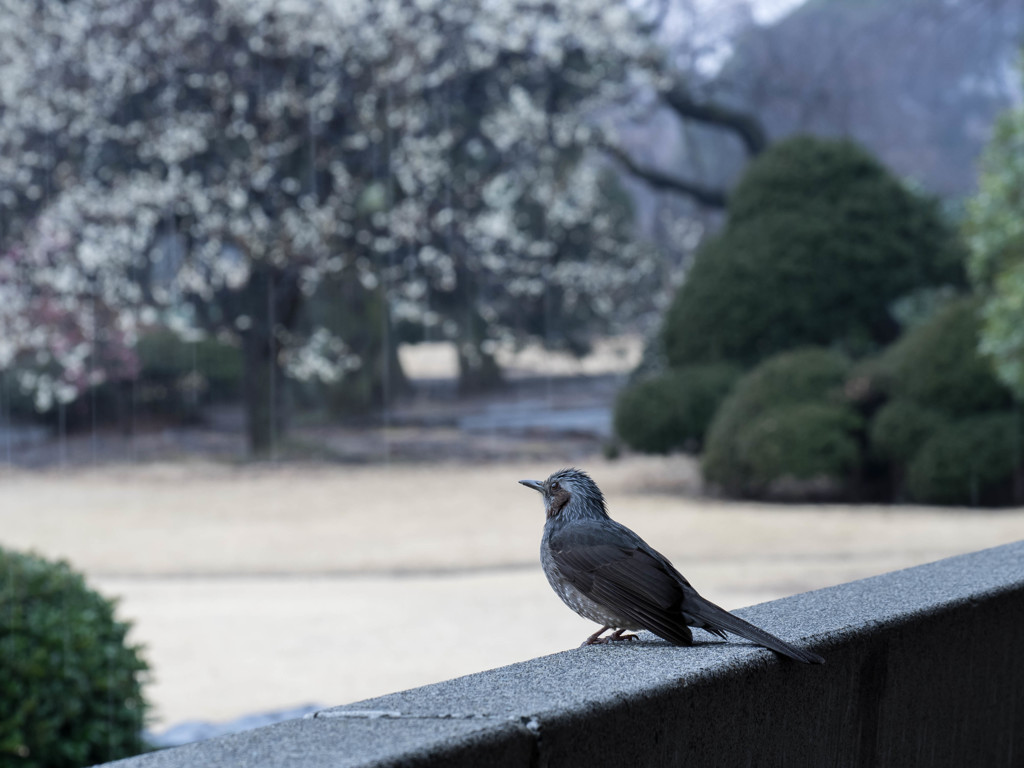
x=535 y=484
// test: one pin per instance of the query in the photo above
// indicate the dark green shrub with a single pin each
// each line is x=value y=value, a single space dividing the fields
x=672 y=410
x=742 y=301
x=101 y=404
x=799 y=377
x=900 y=428
x=969 y=461
x=936 y=364
x=69 y=683
x=867 y=385
x=808 y=441
x=175 y=379
x=819 y=243
x=207 y=369
x=346 y=309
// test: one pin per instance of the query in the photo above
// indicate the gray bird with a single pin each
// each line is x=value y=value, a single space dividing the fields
x=608 y=574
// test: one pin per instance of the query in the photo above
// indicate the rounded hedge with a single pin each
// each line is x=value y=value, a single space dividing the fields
x=804 y=442
x=173 y=371
x=742 y=301
x=936 y=364
x=70 y=683
x=819 y=243
x=900 y=428
x=969 y=461
x=672 y=410
x=800 y=377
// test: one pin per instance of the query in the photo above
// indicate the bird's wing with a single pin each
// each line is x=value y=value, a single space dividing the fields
x=613 y=566
x=609 y=564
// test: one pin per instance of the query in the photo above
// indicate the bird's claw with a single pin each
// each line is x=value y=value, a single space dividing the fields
x=614 y=637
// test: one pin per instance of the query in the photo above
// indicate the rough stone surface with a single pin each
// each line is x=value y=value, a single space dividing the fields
x=924 y=667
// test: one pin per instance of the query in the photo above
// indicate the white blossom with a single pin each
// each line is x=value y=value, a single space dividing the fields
x=156 y=154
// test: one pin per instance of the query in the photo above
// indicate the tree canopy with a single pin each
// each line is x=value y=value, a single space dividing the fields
x=995 y=235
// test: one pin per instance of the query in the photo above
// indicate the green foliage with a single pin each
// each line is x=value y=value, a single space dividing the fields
x=1002 y=337
x=176 y=376
x=808 y=441
x=995 y=235
x=820 y=241
x=936 y=364
x=970 y=461
x=348 y=310
x=69 y=683
x=797 y=378
x=900 y=428
x=941 y=396
x=672 y=410
x=868 y=383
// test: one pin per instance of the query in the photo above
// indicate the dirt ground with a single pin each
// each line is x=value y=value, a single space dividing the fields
x=257 y=587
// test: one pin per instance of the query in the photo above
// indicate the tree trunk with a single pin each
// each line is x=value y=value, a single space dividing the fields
x=395 y=384
x=359 y=316
x=270 y=301
x=478 y=370
x=263 y=395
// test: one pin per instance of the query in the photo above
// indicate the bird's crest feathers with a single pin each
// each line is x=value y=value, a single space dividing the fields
x=585 y=498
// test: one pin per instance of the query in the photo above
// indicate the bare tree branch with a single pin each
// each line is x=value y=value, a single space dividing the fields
x=745 y=125
x=703 y=195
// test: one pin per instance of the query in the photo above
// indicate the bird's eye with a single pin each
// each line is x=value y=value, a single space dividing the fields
x=555 y=486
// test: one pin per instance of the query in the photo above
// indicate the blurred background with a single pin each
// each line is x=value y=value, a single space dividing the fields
x=293 y=293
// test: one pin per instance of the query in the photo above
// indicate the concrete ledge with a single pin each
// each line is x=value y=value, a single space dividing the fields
x=925 y=666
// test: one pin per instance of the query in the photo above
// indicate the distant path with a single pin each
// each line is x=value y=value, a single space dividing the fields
x=551 y=405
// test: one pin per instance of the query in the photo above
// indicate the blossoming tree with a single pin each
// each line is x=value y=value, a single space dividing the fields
x=214 y=161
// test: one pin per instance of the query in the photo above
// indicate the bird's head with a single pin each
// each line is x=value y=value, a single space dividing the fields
x=570 y=494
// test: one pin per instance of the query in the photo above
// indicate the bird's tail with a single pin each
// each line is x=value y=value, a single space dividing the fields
x=706 y=615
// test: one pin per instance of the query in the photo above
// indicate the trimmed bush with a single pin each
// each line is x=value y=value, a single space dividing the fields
x=936 y=364
x=672 y=410
x=805 y=442
x=346 y=309
x=868 y=384
x=743 y=301
x=208 y=369
x=970 y=461
x=900 y=428
x=800 y=377
x=175 y=378
x=819 y=243
x=69 y=682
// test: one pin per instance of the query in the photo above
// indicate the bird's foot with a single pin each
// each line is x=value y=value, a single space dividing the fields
x=618 y=635
x=596 y=639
